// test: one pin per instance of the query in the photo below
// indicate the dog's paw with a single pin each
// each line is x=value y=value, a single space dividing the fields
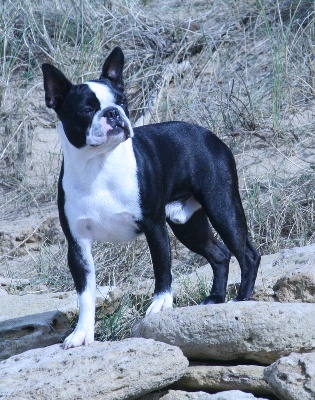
x=77 y=338
x=238 y=299
x=160 y=302
x=213 y=299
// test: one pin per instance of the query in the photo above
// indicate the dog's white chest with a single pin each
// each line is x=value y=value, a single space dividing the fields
x=102 y=196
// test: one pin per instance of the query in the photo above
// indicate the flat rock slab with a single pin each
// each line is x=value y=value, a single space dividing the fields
x=235 y=395
x=177 y=395
x=258 y=331
x=293 y=377
x=38 y=320
x=16 y=306
x=215 y=378
x=181 y=395
x=32 y=331
x=10 y=282
x=104 y=371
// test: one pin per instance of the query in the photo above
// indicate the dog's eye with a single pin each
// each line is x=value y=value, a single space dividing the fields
x=123 y=102
x=87 y=111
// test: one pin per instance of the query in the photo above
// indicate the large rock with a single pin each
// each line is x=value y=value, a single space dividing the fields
x=293 y=377
x=258 y=331
x=38 y=320
x=297 y=285
x=214 y=378
x=287 y=276
x=105 y=371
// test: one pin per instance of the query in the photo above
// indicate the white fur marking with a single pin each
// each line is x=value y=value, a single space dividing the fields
x=84 y=331
x=102 y=200
x=180 y=212
x=103 y=93
x=160 y=302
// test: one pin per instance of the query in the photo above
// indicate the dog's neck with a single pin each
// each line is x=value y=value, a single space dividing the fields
x=80 y=162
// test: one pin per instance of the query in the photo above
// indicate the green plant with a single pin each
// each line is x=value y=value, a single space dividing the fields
x=279 y=44
x=116 y=323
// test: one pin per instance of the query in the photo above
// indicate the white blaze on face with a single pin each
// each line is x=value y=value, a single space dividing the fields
x=103 y=94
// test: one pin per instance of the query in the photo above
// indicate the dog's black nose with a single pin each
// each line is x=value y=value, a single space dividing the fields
x=111 y=113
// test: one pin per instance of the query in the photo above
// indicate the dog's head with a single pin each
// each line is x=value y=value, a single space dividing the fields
x=94 y=113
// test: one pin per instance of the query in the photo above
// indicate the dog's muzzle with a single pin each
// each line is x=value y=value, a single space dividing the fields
x=117 y=121
x=108 y=125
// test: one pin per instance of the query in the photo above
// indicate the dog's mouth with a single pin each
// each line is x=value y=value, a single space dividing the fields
x=109 y=126
x=118 y=132
x=119 y=128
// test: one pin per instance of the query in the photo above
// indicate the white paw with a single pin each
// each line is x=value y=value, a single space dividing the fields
x=77 y=338
x=160 y=302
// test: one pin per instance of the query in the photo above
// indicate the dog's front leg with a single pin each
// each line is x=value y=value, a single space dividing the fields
x=159 y=245
x=82 y=269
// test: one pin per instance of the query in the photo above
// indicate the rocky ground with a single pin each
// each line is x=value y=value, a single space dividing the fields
x=259 y=349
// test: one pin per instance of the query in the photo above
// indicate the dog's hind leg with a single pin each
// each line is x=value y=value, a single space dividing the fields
x=226 y=215
x=197 y=236
x=249 y=261
x=233 y=231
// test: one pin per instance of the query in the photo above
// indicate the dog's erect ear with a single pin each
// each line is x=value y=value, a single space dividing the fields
x=113 y=68
x=56 y=86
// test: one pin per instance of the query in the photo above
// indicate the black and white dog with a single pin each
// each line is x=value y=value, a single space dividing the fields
x=117 y=182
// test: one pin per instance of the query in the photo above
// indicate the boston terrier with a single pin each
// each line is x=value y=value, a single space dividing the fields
x=117 y=182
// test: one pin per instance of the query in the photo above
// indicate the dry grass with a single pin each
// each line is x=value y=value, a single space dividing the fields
x=244 y=69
